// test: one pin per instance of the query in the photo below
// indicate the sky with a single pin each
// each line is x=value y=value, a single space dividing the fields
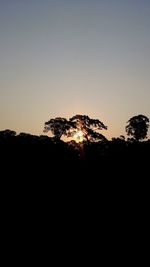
x=59 y=58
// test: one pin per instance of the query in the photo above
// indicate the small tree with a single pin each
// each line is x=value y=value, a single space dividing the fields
x=138 y=127
x=89 y=127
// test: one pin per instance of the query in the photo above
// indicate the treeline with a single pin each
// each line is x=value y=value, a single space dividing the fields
x=43 y=174
x=93 y=151
x=50 y=170
x=52 y=149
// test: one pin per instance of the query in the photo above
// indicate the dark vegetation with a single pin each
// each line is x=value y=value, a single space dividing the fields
x=97 y=179
x=95 y=154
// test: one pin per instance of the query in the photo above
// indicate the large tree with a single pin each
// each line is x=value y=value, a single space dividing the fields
x=137 y=127
x=58 y=127
x=89 y=127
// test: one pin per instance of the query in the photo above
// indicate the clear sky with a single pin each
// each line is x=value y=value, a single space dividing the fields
x=68 y=57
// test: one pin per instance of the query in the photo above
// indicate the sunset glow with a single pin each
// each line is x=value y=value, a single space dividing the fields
x=78 y=136
x=61 y=58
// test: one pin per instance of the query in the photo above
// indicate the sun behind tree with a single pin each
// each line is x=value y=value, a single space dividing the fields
x=87 y=129
x=79 y=128
x=78 y=136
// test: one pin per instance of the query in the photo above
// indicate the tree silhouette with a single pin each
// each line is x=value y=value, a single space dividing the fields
x=89 y=127
x=138 y=127
x=7 y=133
x=58 y=127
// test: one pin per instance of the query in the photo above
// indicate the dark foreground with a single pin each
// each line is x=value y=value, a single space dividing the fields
x=31 y=157
x=68 y=193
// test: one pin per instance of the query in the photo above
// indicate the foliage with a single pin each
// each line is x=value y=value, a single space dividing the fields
x=89 y=127
x=58 y=126
x=7 y=133
x=62 y=127
x=138 y=127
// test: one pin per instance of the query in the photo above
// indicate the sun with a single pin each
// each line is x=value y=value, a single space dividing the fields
x=78 y=136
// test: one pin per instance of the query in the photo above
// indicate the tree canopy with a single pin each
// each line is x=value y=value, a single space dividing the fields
x=58 y=127
x=79 y=123
x=137 y=127
x=89 y=127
